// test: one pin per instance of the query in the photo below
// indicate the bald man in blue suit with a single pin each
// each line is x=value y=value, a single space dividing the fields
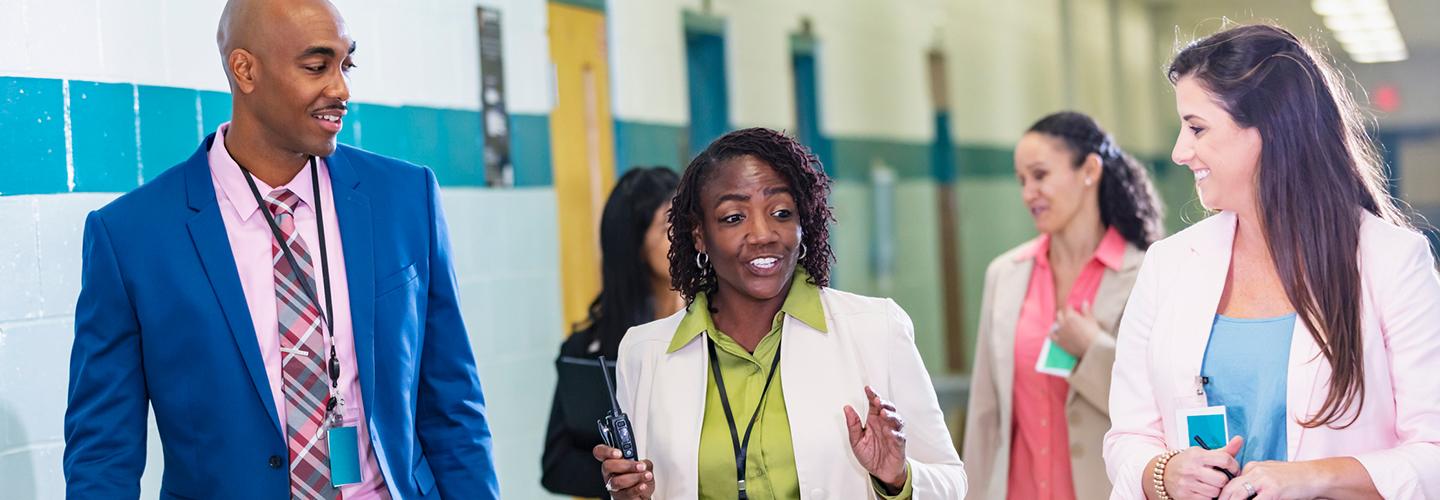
x=187 y=308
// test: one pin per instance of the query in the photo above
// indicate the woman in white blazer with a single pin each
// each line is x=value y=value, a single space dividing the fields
x=1306 y=311
x=1031 y=433
x=767 y=364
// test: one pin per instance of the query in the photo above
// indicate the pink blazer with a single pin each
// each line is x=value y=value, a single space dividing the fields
x=1162 y=341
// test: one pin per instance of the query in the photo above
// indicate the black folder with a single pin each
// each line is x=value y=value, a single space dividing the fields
x=583 y=395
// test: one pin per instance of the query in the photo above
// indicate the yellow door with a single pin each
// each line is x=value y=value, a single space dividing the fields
x=582 y=148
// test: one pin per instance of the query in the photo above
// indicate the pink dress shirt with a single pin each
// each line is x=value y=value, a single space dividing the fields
x=1040 y=453
x=250 y=238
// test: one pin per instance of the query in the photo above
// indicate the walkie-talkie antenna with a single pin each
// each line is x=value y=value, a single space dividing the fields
x=614 y=405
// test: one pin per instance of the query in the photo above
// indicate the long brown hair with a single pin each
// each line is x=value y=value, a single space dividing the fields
x=1318 y=167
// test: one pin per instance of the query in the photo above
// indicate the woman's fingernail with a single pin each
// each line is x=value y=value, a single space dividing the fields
x=640 y=467
x=649 y=476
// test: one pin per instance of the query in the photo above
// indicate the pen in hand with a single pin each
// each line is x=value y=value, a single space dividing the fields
x=1207 y=447
x=1226 y=472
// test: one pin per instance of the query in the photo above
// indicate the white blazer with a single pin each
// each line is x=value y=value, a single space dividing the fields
x=870 y=342
x=1162 y=340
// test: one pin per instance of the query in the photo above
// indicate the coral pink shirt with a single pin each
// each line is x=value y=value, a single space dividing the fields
x=1040 y=448
x=250 y=238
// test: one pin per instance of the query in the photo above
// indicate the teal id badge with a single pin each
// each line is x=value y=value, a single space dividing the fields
x=1053 y=360
x=344 y=456
x=1208 y=423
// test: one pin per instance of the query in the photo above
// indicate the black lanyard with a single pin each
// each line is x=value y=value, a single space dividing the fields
x=333 y=367
x=740 y=445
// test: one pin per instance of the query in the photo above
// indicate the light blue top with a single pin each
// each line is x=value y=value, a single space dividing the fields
x=1246 y=367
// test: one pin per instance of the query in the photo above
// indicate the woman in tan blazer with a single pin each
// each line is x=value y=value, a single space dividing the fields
x=1034 y=429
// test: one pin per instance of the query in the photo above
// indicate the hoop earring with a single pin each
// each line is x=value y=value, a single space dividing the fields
x=702 y=266
x=803 y=251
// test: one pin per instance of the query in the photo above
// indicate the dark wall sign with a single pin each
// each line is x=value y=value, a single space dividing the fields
x=499 y=171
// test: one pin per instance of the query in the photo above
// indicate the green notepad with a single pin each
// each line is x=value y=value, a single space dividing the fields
x=1054 y=361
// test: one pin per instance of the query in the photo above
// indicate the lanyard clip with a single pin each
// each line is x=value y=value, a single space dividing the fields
x=743 y=495
x=1200 y=382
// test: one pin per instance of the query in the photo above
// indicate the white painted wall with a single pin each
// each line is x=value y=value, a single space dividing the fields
x=1005 y=68
x=1005 y=63
x=647 y=61
x=418 y=53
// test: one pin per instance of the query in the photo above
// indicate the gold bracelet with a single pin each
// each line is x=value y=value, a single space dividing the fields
x=1158 y=473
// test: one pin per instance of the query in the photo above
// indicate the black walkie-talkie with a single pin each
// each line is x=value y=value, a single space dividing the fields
x=615 y=427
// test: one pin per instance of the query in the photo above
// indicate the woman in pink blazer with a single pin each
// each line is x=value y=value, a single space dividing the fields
x=1306 y=310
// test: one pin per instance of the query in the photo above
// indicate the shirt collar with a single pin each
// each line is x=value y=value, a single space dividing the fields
x=227 y=174
x=1110 y=253
x=802 y=303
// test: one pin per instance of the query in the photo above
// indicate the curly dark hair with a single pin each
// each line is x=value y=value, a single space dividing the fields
x=794 y=162
x=1128 y=201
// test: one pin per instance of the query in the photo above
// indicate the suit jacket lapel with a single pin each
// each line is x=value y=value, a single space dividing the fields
x=352 y=208
x=1199 y=288
x=212 y=243
x=1109 y=302
x=820 y=376
x=1010 y=289
x=681 y=379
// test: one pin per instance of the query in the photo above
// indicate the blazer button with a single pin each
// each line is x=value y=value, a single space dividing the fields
x=275 y=462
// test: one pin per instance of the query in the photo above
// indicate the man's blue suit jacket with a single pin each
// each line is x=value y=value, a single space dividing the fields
x=162 y=320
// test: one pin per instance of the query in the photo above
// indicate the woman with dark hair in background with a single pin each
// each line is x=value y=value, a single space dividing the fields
x=1031 y=433
x=635 y=276
x=1303 y=319
x=753 y=389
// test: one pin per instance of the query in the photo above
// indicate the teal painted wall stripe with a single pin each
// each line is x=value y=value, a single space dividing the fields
x=530 y=150
x=110 y=155
x=169 y=130
x=649 y=144
x=978 y=160
x=852 y=158
x=214 y=110
x=32 y=136
x=172 y=121
x=942 y=150
x=447 y=141
x=586 y=4
x=102 y=123
x=696 y=22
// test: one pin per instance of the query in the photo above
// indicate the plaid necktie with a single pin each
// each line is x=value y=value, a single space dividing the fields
x=303 y=355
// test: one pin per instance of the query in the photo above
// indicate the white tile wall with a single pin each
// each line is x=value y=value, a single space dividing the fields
x=61 y=221
x=19 y=259
x=506 y=246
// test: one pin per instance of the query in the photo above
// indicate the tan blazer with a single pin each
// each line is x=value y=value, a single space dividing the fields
x=989 y=422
